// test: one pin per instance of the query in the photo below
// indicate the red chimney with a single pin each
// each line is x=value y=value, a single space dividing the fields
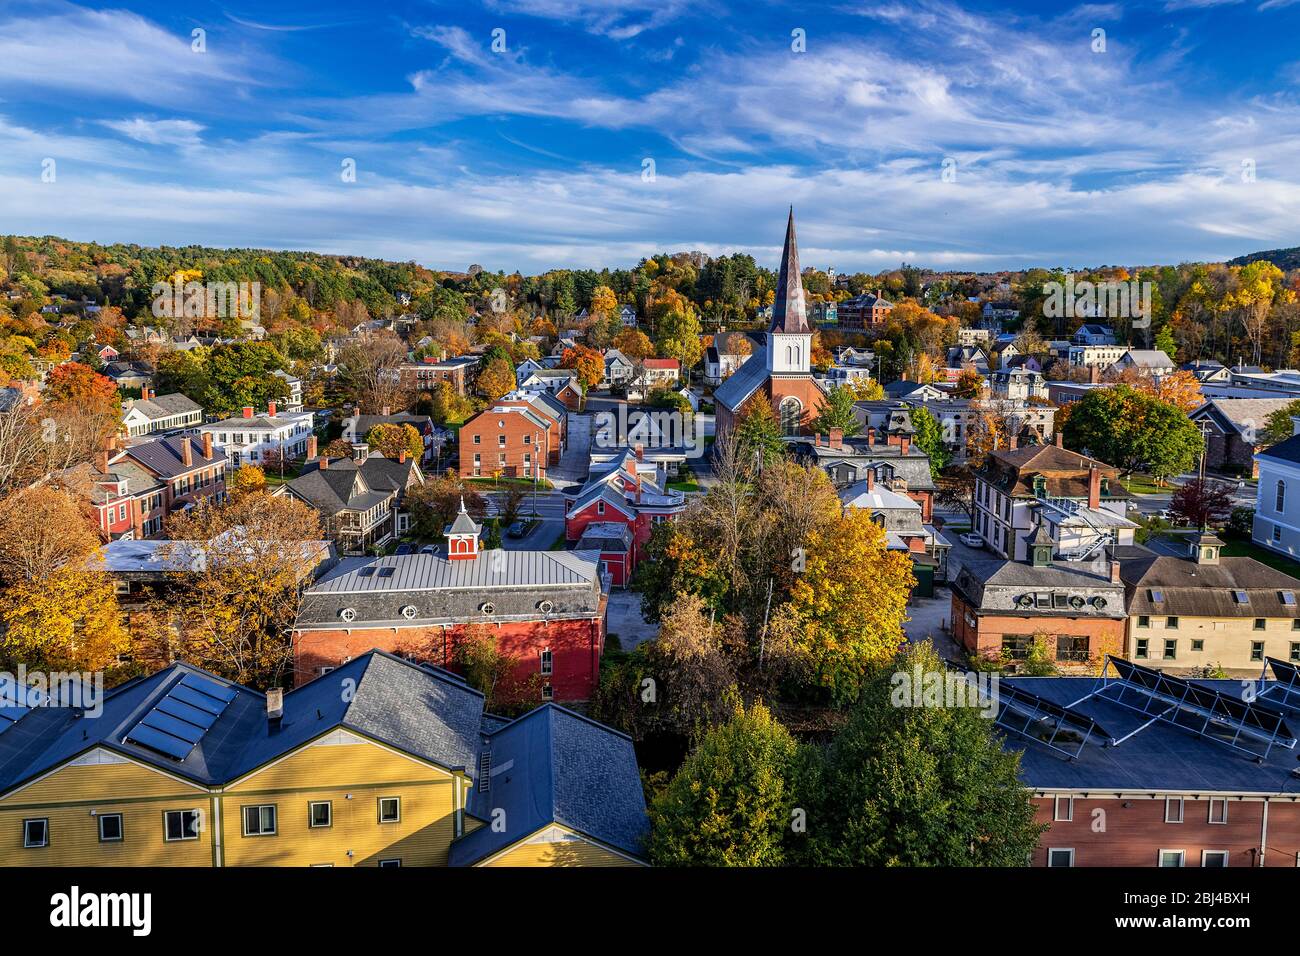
x=1094 y=487
x=270 y=409
x=906 y=442
x=871 y=479
x=401 y=456
x=311 y=447
x=207 y=445
x=1060 y=439
x=101 y=461
x=640 y=452
x=248 y=411
x=324 y=462
x=871 y=435
x=836 y=438
x=1114 y=571
x=187 y=452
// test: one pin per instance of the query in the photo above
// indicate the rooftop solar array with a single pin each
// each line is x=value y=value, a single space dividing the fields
x=1234 y=722
x=1284 y=690
x=1040 y=720
x=15 y=702
x=178 y=722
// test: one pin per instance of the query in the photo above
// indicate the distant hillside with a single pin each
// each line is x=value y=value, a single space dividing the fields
x=1284 y=259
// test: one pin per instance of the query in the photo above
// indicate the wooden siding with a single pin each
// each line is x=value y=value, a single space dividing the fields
x=557 y=847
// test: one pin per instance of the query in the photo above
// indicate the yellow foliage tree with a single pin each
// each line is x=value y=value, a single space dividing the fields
x=246 y=479
x=849 y=603
x=68 y=620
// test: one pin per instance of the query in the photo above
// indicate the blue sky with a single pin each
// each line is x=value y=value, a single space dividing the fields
x=533 y=158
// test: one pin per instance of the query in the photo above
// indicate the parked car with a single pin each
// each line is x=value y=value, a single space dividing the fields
x=404 y=548
x=972 y=540
x=429 y=549
x=518 y=529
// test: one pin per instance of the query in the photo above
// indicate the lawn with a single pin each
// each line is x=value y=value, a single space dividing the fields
x=1244 y=548
x=1138 y=484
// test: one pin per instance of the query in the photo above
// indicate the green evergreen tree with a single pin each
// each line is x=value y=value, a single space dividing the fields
x=929 y=438
x=838 y=413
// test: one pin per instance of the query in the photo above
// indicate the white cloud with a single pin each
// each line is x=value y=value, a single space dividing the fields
x=172 y=132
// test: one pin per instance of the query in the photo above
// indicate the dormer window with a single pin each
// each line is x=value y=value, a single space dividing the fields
x=1240 y=597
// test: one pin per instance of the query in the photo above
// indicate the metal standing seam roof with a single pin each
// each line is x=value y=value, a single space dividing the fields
x=163 y=455
x=431 y=572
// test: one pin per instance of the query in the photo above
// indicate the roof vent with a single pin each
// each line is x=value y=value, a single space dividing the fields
x=546 y=607
x=487 y=607
x=348 y=614
x=408 y=612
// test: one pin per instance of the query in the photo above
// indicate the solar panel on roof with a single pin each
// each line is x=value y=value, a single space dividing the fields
x=179 y=720
x=1043 y=721
x=1203 y=711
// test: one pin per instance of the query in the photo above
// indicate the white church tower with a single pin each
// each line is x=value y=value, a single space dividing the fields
x=789 y=340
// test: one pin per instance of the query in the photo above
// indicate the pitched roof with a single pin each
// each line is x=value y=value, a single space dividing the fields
x=164 y=406
x=1246 y=416
x=554 y=766
x=343 y=486
x=163 y=456
x=743 y=382
x=1288 y=450
x=419 y=710
x=1065 y=471
x=788 y=312
x=1189 y=589
x=1149 y=358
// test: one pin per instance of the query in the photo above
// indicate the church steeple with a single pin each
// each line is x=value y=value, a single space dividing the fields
x=788 y=312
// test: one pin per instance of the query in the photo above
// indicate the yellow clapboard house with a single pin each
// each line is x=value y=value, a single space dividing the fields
x=373 y=764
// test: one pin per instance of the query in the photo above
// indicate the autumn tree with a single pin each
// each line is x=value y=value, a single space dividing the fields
x=435 y=503
x=245 y=480
x=635 y=344
x=603 y=301
x=58 y=607
x=587 y=362
x=847 y=605
x=496 y=379
x=369 y=374
x=390 y=440
x=1202 y=503
x=235 y=607
x=478 y=657
x=970 y=384
x=758 y=433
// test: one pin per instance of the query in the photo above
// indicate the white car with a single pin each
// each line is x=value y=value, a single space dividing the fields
x=972 y=540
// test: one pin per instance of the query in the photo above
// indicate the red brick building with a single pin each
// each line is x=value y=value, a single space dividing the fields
x=782 y=369
x=866 y=311
x=999 y=607
x=1135 y=783
x=519 y=436
x=547 y=608
x=423 y=376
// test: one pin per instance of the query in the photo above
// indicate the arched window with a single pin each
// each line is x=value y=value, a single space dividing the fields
x=791 y=415
x=1280 y=504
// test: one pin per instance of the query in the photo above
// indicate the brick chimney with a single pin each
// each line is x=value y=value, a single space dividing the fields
x=385 y=411
x=401 y=456
x=871 y=434
x=640 y=452
x=270 y=409
x=311 y=447
x=324 y=462
x=248 y=411
x=906 y=444
x=1094 y=487
x=274 y=704
x=817 y=439
x=207 y=445
x=1059 y=439
x=101 y=461
x=1114 y=571
x=1013 y=442
x=836 y=438
x=187 y=452
x=871 y=479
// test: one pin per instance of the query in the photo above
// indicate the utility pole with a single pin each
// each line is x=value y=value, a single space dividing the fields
x=762 y=640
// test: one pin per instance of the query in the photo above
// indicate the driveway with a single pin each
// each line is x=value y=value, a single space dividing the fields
x=624 y=619
x=572 y=469
x=929 y=619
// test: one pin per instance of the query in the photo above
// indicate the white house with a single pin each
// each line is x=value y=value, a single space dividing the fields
x=159 y=413
x=1151 y=362
x=1277 y=503
x=618 y=368
x=294 y=402
x=1103 y=356
x=249 y=438
x=627 y=315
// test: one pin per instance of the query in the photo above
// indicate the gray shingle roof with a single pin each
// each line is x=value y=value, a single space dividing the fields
x=561 y=768
x=162 y=456
x=743 y=382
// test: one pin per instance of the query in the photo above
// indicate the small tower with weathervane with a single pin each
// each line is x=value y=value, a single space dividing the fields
x=462 y=536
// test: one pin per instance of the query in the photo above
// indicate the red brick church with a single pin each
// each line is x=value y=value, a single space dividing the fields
x=781 y=370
